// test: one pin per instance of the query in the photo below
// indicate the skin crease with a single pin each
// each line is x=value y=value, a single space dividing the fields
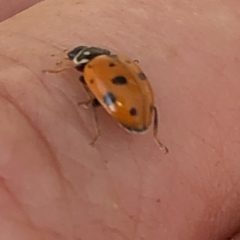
x=53 y=185
x=12 y=7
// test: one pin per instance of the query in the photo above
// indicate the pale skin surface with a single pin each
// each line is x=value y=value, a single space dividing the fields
x=54 y=185
x=10 y=7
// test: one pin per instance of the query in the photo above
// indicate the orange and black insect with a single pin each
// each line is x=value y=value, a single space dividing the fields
x=119 y=85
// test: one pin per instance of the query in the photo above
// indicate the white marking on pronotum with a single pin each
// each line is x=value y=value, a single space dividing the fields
x=84 y=60
x=75 y=60
x=86 y=53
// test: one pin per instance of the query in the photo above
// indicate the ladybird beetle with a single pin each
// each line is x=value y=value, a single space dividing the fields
x=118 y=84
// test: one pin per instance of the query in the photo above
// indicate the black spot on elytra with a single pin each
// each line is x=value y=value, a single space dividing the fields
x=91 y=81
x=142 y=76
x=109 y=99
x=119 y=80
x=133 y=111
x=111 y=64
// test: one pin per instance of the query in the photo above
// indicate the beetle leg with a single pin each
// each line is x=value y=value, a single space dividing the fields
x=95 y=103
x=85 y=104
x=135 y=61
x=82 y=80
x=155 y=130
x=98 y=132
x=91 y=98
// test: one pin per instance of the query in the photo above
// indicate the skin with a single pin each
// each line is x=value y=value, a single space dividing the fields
x=54 y=185
x=12 y=7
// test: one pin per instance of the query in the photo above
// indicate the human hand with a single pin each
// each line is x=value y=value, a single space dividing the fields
x=54 y=185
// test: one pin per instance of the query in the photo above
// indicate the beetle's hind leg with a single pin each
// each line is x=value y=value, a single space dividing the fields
x=94 y=103
x=155 y=130
x=97 y=127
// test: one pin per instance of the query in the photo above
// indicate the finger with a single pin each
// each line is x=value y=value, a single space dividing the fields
x=184 y=60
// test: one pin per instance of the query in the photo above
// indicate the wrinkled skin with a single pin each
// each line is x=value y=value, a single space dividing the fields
x=54 y=185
